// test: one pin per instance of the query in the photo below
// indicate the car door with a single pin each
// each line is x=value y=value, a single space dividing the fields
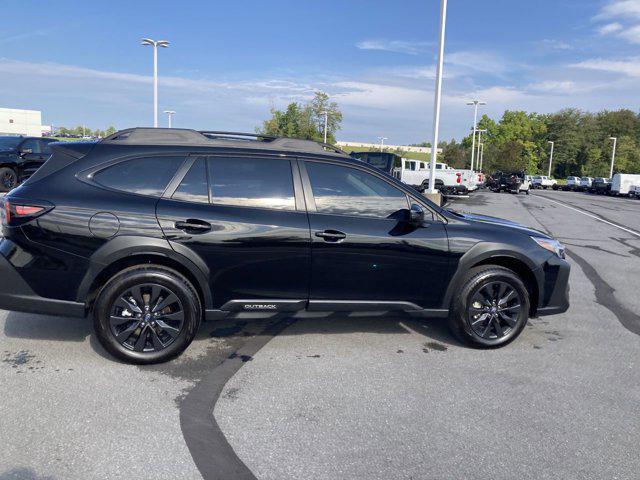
x=244 y=218
x=31 y=155
x=363 y=251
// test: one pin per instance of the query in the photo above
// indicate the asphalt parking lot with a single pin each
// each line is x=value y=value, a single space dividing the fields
x=351 y=397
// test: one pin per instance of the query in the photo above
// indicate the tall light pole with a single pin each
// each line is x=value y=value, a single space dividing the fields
x=326 y=120
x=170 y=114
x=155 y=44
x=481 y=156
x=436 y=99
x=475 y=104
x=480 y=132
x=550 y=158
x=613 y=155
x=382 y=139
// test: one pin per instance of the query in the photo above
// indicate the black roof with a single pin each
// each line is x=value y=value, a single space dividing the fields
x=188 y=137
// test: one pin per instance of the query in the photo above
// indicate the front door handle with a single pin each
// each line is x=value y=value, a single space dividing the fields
x=193 y=226
x=331 y=235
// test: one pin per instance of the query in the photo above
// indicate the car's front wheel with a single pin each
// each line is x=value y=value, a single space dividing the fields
x=491 y=307
x=146 y=314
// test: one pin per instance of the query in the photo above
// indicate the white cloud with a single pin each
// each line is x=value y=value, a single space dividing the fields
x=554 y=86
x=609 y=28
x=628 y=66
x=555 y=44
x=619 y=8
x=397 y=46
x=631 y=34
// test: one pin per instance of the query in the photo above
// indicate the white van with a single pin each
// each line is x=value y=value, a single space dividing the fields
x=622 y=182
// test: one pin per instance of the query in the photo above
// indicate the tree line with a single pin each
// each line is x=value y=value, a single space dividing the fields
x=519 y=141
x=81 y=131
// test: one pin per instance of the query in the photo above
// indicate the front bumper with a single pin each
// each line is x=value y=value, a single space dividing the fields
x=16 y=295
x=554 y=291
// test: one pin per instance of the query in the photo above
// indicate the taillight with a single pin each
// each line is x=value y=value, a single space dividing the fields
x=459 y=179
x=16 y=213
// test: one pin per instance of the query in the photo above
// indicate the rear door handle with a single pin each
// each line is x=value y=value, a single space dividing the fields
x=331 y=235
x=193 y=226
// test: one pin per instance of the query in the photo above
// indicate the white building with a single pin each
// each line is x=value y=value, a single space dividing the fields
x=376 y=146
x=14 y=121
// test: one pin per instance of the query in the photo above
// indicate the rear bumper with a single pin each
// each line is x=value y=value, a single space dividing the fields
x=16 y=295
x=554 y=294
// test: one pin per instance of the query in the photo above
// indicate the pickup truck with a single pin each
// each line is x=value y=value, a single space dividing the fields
x=572 y=183
x=542 y=181
x=585 y=184
x=514 y=182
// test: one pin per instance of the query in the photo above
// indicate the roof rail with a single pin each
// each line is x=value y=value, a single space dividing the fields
x=211 y=138
x=221 y=134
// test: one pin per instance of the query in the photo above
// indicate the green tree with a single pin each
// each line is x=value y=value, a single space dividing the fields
x=305 y=121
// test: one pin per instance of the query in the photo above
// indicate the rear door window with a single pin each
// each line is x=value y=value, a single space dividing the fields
x=252 y=182
x=143 y=175
x=32 y=144
x=194 y=187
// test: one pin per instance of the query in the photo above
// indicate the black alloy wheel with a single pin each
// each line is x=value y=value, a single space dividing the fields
x=147 y=318
x=494 y=310
x=147 y=314
x=8 y=179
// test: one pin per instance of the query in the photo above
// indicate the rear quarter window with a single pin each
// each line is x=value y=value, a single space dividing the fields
x=143 y=175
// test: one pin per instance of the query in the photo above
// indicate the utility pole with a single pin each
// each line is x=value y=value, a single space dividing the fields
x=436 y=99
x=481 y=156
x=382 y=139
x=480 y=132
x=326 y=120
x=550 y=158
x=613 y=155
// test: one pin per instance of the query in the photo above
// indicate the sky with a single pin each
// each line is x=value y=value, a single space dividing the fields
x=229 y=63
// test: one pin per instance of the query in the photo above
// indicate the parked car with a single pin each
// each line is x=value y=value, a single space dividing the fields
x=20 y=157
x=514 y=182
x=634 y=191
x=542 y=181
x=572 y=183
x=600 y=185
x=622 y=182
x=149 y=231
x=585 y=184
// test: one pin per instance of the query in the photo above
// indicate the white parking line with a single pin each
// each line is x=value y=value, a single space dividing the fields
x=595 y=217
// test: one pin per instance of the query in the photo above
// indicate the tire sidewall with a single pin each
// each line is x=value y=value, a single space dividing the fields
x=460 y=321
x=3 y=188
x=120 y=283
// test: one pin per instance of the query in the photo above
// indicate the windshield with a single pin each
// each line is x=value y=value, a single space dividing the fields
x=9 y=143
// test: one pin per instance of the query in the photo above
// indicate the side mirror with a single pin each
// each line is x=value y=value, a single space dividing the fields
x=416 y=214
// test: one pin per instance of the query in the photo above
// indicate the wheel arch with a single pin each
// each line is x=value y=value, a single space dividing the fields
x=124 y=252
x=492 y=254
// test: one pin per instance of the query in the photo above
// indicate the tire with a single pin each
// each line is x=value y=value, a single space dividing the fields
x=127 y=305
x=8 y=179
x=527 y=192
x=466 y=309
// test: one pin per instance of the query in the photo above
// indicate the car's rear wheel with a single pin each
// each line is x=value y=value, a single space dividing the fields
x=8 y=179
x=491 y=307
x=147 y=314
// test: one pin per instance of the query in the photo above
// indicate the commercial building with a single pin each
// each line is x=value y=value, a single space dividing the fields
x=14 y=121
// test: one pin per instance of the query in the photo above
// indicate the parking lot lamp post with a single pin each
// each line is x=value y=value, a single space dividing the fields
x=475 y=104
x=170 y=114
x=480 y=132
x=550 y=158
x=155 y=44
x=436 y=99
x=326 y=120
x=382 y=139
x=481 y=156
x=613 y=155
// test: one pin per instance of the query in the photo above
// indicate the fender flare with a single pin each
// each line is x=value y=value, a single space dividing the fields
x=125 y=246
x=481 y=252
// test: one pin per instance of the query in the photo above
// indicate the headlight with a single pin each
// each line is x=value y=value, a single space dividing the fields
x=550 y=244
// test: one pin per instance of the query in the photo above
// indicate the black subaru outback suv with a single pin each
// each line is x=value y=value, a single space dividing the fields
x=150 y=231
x=20 y=157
